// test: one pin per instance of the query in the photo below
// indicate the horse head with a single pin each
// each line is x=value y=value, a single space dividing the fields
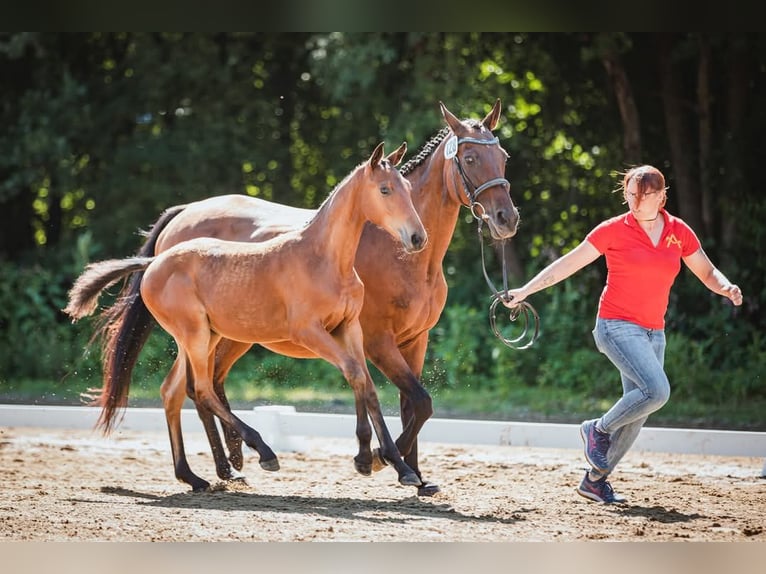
x=477 y=164
x=390 y=206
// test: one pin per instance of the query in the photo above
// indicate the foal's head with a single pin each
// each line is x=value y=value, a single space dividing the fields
x=387 y=199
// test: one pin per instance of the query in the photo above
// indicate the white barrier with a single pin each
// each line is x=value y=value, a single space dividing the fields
x=282 y=427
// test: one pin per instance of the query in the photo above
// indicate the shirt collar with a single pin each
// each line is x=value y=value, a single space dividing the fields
x=630 y=220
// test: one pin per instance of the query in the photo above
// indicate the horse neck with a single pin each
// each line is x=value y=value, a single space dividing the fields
x=337 y=227
x=436 y=204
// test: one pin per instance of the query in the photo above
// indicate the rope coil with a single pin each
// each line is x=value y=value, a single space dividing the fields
x=530 y=318
x=523 y=309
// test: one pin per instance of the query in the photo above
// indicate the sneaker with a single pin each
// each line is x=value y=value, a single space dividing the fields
x=599 y=490
x=596 y=445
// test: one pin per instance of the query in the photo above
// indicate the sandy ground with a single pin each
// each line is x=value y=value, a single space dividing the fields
x=67 y=485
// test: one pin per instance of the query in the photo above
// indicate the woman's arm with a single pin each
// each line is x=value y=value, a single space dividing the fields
x=699 y=264
x=559 y=270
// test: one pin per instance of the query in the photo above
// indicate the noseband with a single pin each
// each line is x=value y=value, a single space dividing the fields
x=523 y=309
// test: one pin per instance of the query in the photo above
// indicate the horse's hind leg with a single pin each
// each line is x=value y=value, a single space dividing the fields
x=223 y=468
x=173 y=401
x=201 y=368
x=227 y=353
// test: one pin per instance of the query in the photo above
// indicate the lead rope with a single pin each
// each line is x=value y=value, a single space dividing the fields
x=523 y=309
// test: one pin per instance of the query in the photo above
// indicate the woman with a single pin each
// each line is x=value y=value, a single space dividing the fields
x=643 y=250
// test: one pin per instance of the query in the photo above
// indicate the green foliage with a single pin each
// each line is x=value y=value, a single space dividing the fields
x=455 y=353
x=102 y=131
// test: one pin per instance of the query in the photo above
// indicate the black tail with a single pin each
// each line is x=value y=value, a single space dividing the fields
x=123 y=329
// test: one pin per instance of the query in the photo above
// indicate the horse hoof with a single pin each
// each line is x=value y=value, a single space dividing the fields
x=270 y=465
x=378 y=462
x=201 y=486
x=229 y=473
x=363 y=468
x=428 y=489
x=410 y=479
x=235 y=476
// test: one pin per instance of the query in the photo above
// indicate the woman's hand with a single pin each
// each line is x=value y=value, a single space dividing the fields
x=734 y=293
x=512 y=297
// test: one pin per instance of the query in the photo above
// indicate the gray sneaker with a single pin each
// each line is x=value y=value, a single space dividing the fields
x=596 y=445
x=599 y=490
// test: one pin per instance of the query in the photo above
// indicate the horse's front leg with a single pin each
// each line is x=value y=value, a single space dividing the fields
x=367 y=399
x=343 y=348
x=415 y=402
x=363 y=459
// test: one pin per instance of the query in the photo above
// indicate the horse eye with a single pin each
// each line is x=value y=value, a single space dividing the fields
x=385 y=190
x=470 y=160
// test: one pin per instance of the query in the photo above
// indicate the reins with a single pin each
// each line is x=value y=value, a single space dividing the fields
x=523 y=309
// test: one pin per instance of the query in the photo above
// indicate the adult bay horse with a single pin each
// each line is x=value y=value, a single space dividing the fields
x=296 y=294
x=463 y=165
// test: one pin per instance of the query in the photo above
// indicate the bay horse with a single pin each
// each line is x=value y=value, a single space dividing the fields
x=296 y=294
x=462 y=166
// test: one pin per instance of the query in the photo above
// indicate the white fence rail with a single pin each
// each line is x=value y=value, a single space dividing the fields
x=282 y=427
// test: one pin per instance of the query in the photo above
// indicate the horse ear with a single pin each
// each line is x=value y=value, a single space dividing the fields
x=377 y=155
x=493 y=117
x=395 y=157
x=455 y=124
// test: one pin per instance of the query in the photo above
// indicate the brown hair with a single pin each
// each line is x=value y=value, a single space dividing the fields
x=648 y=178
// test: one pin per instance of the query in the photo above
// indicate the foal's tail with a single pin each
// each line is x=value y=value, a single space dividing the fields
x=83 y=298
x=125 y=326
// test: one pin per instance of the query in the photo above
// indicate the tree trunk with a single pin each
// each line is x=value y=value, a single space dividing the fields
x=631 y=126
x=685 y=187
x=736 y=106
x=704 y=102
x=17 y=235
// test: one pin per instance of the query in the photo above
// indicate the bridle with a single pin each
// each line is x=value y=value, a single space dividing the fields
x=450 y=150
x=480 y=215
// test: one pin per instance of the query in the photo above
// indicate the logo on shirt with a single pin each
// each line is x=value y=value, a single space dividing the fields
x=673 y=240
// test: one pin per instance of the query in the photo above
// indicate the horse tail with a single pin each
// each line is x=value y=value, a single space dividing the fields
x=84 y=294
x=124 y=329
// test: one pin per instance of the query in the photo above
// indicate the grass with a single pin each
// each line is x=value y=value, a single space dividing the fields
x=517 y=404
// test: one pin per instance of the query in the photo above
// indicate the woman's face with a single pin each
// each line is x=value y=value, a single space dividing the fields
x=644 y=206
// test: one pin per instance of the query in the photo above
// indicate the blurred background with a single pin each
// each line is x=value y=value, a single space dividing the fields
x=103 y=131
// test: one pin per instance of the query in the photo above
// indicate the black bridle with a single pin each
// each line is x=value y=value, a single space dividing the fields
x=522 y=309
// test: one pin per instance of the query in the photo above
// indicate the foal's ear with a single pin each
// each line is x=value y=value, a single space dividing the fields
x=377 y=155
x=455 y=124
x=493 y=117
x=395 y=157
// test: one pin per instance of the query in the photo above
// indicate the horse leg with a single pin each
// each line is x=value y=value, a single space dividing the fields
x=403 y=367
x=201 y=359
x=388 y=451
x=172 y=399
x=227 y=353
x=344 y=350
x=223 y=468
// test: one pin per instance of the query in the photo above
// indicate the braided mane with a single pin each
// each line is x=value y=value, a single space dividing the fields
x=431 y=145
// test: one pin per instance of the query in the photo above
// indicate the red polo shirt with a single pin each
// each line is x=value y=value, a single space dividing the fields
x=640 y=275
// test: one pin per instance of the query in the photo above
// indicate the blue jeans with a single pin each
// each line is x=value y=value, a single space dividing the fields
x=639 y=354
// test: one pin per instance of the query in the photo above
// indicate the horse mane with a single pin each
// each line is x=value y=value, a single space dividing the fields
x=425 y=151
x=428 y=148
x=340 y=184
